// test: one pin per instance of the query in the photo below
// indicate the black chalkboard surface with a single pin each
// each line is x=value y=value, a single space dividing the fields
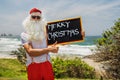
x=64 y=31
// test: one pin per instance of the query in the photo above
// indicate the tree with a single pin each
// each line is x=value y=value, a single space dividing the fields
x=108 y=50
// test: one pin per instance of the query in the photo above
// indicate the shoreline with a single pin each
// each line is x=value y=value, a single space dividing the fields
x=64 y=51
x=7 y=55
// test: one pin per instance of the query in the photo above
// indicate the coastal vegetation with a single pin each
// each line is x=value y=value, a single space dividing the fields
x=64 y=68
x=108 y=50
x=72 y=68
x=11 y=68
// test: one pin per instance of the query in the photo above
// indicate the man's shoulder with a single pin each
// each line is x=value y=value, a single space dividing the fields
x=24 y=35
x=24 y=38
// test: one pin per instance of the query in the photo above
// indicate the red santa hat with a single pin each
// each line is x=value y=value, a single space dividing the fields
x=35 y=10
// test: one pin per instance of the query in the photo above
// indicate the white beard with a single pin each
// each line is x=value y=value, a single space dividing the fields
x=34 y=29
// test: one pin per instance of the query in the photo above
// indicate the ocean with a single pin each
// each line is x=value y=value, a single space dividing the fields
x=11 y=43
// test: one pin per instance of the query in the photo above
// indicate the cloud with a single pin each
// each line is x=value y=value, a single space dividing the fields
x=86 y=9
x=99 y=8
x=96 y=17
x=95 y=14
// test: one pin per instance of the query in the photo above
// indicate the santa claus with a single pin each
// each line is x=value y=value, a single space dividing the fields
x=34 y=25
x=38 y=63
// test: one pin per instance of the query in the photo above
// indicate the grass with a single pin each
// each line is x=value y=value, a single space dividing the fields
x=55 y=79
x=11 y=69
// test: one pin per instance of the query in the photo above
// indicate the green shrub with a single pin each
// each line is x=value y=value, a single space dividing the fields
x=21 y=54
x=72 y=68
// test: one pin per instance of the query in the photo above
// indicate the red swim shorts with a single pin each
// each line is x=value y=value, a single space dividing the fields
x=40 y=71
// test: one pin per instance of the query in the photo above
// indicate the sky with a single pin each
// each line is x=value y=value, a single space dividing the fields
x=97 y=15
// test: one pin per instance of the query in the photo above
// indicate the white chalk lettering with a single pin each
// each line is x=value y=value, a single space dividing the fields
x=51 y=27
x=67 y=24
x=64 y=33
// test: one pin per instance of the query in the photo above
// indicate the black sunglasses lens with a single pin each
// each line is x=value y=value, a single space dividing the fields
x=38 y=17
x=33 y=17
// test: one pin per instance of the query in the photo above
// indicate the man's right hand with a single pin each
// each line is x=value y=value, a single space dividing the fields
x=54 y=48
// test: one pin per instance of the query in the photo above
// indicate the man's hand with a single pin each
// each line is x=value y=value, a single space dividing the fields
x=83 y=33
x=54 y=48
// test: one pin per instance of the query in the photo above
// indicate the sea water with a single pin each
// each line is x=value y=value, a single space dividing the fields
x=11 y=43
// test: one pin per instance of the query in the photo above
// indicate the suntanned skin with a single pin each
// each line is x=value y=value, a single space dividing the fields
x=37 y=52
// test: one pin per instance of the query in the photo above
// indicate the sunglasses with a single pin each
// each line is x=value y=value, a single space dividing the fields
x=33 y=17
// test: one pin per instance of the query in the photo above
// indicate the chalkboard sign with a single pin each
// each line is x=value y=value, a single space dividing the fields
x=64 y=31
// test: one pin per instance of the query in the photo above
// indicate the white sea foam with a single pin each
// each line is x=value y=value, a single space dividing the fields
x=10 y=44
x=76 y=49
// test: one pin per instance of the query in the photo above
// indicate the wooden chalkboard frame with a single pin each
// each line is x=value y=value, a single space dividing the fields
x=63 y=43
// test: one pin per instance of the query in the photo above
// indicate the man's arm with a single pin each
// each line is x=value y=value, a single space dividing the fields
x=37 y=52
